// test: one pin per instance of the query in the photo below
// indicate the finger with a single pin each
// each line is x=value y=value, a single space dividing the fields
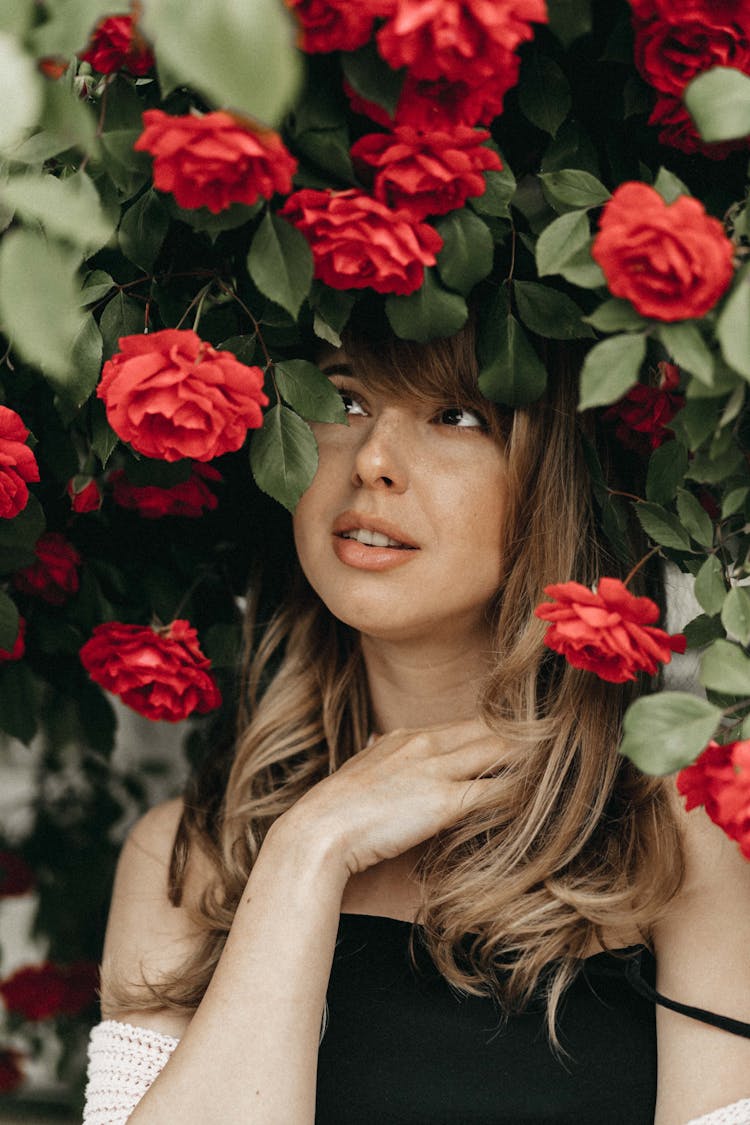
x=472 y=759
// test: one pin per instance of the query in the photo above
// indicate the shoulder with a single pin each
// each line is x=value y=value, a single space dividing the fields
x=147 y=937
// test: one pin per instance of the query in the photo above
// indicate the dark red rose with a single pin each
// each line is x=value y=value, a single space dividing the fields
x=215 y=160
x=18 y=465
x=720 y=780
x=462 y=40
x=609 y=632
x=161 y=674
x=54 y=575
x=676 y=41
x=36 y=992
x=81 y=980
x=671 y=260
x=16 y=877
x=642 y=416
x=16 y=652
x=85 y=495
x=117 y=44
x=190 y=498
x=357 y=242
x=337 y=25
x=172 y=395
x=436 y=105
x=11 y=1073
x=424 y=174
x=676 y=129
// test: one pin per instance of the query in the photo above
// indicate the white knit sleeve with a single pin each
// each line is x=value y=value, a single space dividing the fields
x=123 y=1062
x=738 y=1113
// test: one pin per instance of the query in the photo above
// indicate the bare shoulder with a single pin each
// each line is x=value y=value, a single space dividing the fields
x=147 y=937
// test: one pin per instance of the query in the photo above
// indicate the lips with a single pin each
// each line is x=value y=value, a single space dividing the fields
x=371 y=531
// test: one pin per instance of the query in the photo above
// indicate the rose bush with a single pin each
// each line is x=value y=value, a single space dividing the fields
x=117 y=44
x=673 y=261
x=160 y=673
x=642 y=416
x=337 y=25
x=719 y=780
x=53 y=576
x=38 y=992
x=171 y=395
x=607 y=631
x=190 y=498
x=18 y=465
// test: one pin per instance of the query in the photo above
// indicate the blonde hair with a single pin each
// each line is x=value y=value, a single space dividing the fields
x=574 y=841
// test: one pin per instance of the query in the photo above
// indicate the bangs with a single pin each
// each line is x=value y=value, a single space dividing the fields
x=440 y=373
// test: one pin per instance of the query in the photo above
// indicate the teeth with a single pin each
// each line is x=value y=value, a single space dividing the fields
x=371 y=538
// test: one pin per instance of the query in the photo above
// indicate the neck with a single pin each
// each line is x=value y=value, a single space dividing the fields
x=419 y=685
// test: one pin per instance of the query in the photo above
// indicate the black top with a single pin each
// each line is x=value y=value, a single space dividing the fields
x=404 y=1048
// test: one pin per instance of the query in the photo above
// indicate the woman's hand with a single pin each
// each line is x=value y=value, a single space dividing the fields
x=400 y=790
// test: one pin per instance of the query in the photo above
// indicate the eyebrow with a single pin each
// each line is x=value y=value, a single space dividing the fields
x=337 y=369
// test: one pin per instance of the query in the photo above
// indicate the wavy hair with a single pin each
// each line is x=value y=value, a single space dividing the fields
x=574 y=843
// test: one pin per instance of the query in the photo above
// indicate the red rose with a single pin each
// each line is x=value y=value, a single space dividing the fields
x=674 y=42
x=190 y=498
x=171 y=395
x=54 y=575
x=643 y=414
x=16 y=877
x=676 y=129
x=720 y=780
x=671 y=260
x=39 y=992
x=215 y=160
x=437 y=104
x=463 y=40
x=161 y=674
x=358 y=242
x=85 y=495
x=11 y=1074
x=427 y=173
x=337 y=25
x=17 y=464
x=608 y=632
x=18 y=650
x=118 y=45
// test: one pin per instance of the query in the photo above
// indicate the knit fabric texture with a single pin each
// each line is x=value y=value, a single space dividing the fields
x=123 y=1062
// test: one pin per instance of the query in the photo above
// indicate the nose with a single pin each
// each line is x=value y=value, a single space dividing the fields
x=381 y=458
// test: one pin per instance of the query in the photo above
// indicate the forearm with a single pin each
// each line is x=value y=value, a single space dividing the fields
x=250 y=1052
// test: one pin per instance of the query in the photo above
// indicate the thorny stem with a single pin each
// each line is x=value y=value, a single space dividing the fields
x=640 y=563
x=231 y=293
x=196 y=303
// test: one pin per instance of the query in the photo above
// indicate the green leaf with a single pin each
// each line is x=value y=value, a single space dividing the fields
x=69 y=25
x=719 y=103
x=20 y=92
x=372 y=78
x=702 y=630
x=18 y=536
x=143 y=229
x=694 y=423
x=69 y=209
x=666 y=731
x=104 y=440
x=548 y=312
x=309 y=391
x=615 y=315
x=560 y=241
x=569 y=20
x=19 y=701
x=710 y=468
x=688 y=349
x=544 y=93
x=734 y=501
x=500 y=189
x=510 y=371
x=710 y=586
x=466 y=256
x=66 y=116
x=122 y=316
x=610 y=369
x=733 y=328
x=40 y=299
x=695 y=519
x=241 y=56
x=86 y=365
x=666 y=471
x=735 y=613
x=97 y=284
x=8 y=622
x=662 y=526
x=243 y=348
x=129 y=170
x=571 y=188
x=428 y=313
x=283 y=456
x=725 y=668
x=332 y=311
x=280 y=263
x=669 y=186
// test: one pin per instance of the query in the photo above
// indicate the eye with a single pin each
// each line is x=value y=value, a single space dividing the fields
x=459 y=416
x=352 y=405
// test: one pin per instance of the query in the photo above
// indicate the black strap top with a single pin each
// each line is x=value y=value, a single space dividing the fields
x=404 y=1048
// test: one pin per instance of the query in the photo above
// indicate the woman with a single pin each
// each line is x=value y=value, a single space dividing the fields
x=413 y=753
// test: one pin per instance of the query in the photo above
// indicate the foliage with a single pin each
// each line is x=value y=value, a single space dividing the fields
x=98 y=246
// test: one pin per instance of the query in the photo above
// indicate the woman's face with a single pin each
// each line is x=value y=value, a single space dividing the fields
x=400 y=531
